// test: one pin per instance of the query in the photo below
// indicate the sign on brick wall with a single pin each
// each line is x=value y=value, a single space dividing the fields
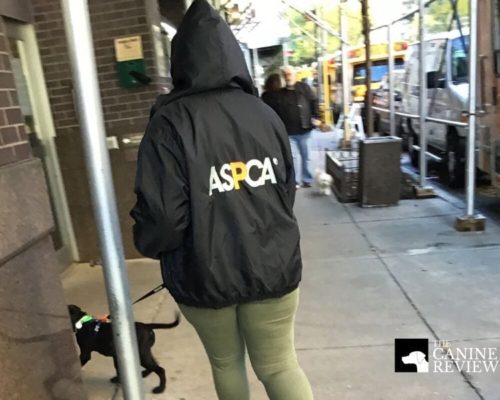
x=130 y=59
x=128 y=48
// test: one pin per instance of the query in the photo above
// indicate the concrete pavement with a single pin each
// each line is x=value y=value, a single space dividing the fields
x=370 y=276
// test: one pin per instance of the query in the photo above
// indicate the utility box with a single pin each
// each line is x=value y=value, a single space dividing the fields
x=380 y=171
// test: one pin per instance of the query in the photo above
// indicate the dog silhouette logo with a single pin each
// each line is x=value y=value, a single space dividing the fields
x=411 y=355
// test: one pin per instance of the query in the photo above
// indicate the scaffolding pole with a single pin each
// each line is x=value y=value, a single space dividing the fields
x=471 y=221
x=422 y=101
x=422 y=190
x=390 y=45
x=285 y=54
x=81 y=51
x=471 y=142
x=347 y=137
x=368 y=100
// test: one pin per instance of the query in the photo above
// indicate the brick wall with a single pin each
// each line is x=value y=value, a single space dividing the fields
x=126 y=111
x=14 y=144
x=110 y=19
x=31 y=295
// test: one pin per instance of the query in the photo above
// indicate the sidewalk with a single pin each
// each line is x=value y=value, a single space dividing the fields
x=370 y=275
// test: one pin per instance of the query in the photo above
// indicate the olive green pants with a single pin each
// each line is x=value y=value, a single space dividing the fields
x=266 y=329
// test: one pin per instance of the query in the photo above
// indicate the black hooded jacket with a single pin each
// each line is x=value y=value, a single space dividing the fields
x=215 y=185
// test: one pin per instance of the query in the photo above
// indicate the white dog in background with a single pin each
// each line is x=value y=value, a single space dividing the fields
x=323 y=183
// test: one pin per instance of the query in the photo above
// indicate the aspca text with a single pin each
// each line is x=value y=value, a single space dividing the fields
x=230 y=176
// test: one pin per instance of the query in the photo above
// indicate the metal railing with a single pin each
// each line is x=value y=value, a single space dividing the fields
x=450 y=122
x=422 y=115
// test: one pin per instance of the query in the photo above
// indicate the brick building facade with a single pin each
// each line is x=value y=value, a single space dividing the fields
x=125 y=110
x=34 y=316
x=46 y=219
x=14 y=146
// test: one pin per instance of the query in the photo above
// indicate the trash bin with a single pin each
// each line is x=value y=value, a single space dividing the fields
x=379 y=171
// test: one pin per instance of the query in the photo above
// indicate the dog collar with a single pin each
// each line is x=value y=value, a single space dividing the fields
x=81 y=321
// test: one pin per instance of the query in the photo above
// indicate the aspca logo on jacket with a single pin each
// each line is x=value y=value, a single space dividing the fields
x=254 y=173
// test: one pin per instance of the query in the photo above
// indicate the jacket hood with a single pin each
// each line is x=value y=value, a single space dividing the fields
x=205 y=55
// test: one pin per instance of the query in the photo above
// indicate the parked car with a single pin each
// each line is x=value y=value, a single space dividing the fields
x=446 y=64
x=381 y=99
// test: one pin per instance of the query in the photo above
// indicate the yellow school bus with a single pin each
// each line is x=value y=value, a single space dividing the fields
x=380 y=66
x=330 y=71
x=320 y=76
x=305 y=73
x=327 y=88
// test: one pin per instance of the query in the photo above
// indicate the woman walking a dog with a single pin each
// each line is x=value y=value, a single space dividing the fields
x=215 y=191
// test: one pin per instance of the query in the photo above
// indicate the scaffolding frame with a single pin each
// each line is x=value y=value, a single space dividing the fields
x=470 y=216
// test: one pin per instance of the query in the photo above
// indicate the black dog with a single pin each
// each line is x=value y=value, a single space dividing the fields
x=97 y=335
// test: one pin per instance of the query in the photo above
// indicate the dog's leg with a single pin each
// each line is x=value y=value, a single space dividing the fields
x=150 y=364
x=146 y=372
x=116 y=379
x=84 y=358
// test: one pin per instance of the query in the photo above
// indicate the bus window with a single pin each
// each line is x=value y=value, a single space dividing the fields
x=379 y=69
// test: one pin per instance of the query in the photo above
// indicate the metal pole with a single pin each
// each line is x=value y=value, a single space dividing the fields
x=422 y=104
x=368 y=100
x=256 y=66
x=318 y=43
x=327 y=118
x=345 y=79
x=318 y=53
x=324 y=38
x=79 y=36
x=471 y=139
x=285 y=54
x=392 y=117
x=471 y=221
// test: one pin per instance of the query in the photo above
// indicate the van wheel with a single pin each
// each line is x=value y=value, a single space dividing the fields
x=453 y=168
x=403 y=135
x=376 y=124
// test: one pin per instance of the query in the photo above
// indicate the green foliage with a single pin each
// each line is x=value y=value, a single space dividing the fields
x=438 y=19
x=440 y=15
x=305 y=48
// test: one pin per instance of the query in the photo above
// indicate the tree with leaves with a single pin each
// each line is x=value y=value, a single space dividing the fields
x=303 y=31
x=439 y=17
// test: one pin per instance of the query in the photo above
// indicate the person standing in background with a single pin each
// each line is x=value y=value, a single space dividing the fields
x=298 y=108
x=272 y=89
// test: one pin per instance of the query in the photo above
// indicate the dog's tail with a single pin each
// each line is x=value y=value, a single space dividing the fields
x=166 y=326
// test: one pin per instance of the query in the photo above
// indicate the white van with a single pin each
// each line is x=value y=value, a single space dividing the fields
x=446 y=62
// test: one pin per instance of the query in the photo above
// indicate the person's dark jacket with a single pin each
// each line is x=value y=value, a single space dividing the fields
x=272 y=99
x=215 y=184
x=297 y=115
